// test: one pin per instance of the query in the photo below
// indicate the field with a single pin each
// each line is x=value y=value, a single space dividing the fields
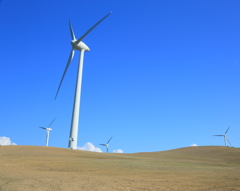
x=49 y=168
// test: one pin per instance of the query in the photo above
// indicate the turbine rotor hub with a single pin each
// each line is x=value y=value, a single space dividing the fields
x=79 y=46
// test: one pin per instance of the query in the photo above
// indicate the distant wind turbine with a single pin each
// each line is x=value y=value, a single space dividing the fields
x=47 y=131
x=77 y=44
x=106 y=145
x=225 y=137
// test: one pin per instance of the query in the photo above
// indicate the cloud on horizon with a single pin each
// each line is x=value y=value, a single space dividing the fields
x=118 y=151
x=89 y=147
x=6 y=140
x=193 y=145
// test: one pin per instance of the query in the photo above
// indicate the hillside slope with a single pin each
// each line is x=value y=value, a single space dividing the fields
x=49 y=168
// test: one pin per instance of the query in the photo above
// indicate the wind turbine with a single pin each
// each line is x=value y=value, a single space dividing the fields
x=47 y=131
x=106 y=145
x=77 y=44
x=225 y=137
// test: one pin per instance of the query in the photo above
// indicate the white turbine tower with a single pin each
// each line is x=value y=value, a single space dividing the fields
x=77 y=44
x=47 y=131
x=106 y=145
x=225 y=137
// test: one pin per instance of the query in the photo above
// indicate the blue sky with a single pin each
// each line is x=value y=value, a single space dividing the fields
x=160 y=74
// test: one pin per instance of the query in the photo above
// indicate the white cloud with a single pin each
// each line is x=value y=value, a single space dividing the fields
x=89 y=147
x=193 y=145
x=118 y=151
x=6 y=141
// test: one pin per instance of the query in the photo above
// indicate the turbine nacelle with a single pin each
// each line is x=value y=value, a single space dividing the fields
x=79 y=46
x=48 y=129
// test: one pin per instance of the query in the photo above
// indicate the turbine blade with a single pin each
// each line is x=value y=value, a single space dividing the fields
x=51 y=122
x=43 y=127
x=227 y=130
x=71 y=31
x=82 y=37
x=228 y=141
x=103 y=144
x=68 y=63
x=109 y=140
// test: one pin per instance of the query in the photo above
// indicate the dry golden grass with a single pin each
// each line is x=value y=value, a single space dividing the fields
x=48 y=168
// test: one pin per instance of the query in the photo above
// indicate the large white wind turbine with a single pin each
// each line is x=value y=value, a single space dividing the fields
x=225 y=137
x=47 y=131
x=77 y=44
x=106 y=145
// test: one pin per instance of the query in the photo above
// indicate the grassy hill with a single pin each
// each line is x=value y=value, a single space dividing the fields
x=49 y=168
